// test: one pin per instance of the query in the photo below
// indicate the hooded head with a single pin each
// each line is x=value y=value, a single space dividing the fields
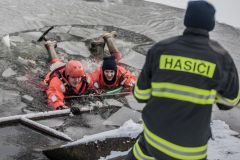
x=200 y=14
x=109 y=63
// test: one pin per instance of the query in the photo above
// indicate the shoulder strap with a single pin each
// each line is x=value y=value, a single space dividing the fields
x=121 y=78
x=57 y=71
x=85 y=84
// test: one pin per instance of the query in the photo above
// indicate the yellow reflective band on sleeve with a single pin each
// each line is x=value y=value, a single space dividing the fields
x=174 y=150
x=142 y=94
x=139 y=155
x=184 y=64
x=227 y=101
x=183 y=93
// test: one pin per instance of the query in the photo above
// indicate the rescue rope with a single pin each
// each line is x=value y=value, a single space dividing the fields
x=100 y=95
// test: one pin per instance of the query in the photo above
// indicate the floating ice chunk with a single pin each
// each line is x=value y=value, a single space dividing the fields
x=128 y=129
x=122 y=115
x=8 y=73
x=22 y=78
x=27 y=98
x=6 y=40
x=85 y=32
x=75 y=48
x=16 y=39
x=113 y=102
x=133 y=103
x=31 y=36
x=7 y=96
x=135 y=57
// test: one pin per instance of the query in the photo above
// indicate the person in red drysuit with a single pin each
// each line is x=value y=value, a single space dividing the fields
x=110 y=75
x=64 y=79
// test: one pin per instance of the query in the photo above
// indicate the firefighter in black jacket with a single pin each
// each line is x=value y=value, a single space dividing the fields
x=181 y=79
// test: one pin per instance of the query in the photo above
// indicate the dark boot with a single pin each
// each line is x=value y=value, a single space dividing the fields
x=97 y=46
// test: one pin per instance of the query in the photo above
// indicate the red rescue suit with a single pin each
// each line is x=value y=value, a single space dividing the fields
x=123 y=78
x=59 y=87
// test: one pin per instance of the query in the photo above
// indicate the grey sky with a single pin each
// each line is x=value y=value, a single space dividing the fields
x=227 y=10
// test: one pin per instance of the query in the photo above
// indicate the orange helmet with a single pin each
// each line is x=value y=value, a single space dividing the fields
x=74 y=69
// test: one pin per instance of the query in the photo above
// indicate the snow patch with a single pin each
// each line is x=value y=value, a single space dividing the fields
x=128 y=129
x=225 y=145
x=114 y=154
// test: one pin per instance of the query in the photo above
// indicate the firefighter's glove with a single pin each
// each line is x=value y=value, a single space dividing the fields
x=75 y=110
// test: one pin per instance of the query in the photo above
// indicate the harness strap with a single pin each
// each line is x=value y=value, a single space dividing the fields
x=121 y=78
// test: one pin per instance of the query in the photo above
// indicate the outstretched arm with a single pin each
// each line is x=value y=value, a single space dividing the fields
x=109 y=39
x=228 y=95
x=128 y=80
x=55 y=93
x=50 y=46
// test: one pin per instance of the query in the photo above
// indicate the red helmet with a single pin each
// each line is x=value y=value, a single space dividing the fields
x=74 y=69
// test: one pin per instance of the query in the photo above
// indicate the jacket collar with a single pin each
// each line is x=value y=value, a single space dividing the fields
x=196 y=31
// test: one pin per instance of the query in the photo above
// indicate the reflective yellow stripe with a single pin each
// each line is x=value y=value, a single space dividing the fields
x=185 y=64
x=183 y=93
x=139 y=155
x=227 y=101
x=174 y=150
x=143 y=94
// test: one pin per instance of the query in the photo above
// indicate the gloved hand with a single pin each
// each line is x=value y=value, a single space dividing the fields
x=75 y=110
x=62 y=107
x=107 y=35
x=49 y=44
x=99 y=91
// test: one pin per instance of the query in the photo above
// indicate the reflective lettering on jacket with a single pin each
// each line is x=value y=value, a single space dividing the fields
x=184 y=64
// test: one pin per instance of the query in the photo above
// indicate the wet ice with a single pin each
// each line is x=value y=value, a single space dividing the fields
x=75 y=48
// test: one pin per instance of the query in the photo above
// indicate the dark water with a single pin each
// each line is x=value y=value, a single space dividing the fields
x=21 y=143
